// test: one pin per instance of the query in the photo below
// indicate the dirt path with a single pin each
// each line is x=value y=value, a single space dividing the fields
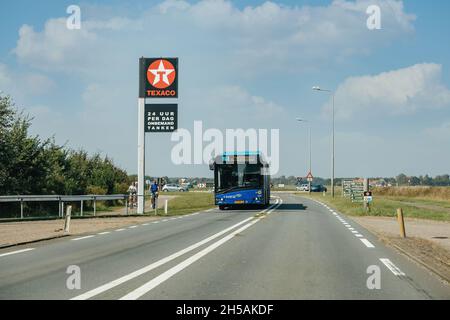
x=12 y=233
x=435 y=231
x=427 y=242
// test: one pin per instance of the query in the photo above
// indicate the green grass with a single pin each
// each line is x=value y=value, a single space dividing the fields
x=187 y=202
x=387 y=206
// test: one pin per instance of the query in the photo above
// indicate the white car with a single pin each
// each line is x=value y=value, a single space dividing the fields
x=173 y=188
x=303 y=187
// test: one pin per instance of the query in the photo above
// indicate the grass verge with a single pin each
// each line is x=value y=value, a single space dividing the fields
x=187 y=202
x=387 y=206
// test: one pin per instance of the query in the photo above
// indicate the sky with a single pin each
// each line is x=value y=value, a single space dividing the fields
x=243 y=64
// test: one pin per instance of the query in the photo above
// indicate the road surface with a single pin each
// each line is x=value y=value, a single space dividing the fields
x=295 y=249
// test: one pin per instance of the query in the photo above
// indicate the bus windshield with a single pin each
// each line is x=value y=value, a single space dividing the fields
x=237 y=176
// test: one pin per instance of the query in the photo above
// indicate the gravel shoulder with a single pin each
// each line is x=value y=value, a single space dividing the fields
x=15 y=233
x=427 y=242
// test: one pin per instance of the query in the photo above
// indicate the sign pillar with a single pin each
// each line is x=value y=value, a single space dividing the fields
x=141 y=156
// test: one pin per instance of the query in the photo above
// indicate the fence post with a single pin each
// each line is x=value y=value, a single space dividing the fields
x=401 y=222
x=126 y=205
x=67 y=220
x=21 y=208
x=166 y=206
x=95 y=206
x=62 y=210
x=81 y=208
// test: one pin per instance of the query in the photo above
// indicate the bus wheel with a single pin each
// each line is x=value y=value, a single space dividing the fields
x=221 y=207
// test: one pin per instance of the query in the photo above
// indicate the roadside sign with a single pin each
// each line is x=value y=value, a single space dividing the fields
x=309 y=177
x=368 y=196
x=161 y=117
x=158 y=78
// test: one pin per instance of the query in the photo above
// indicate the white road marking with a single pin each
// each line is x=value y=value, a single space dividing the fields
x=165 y=220
x=145 y=224
x=394 y=269
x=132 y=227
x=82 y=238
x=358 y=235
x=118 y=230
x=15 y=252
x=102 y=233
x=367 y=243
x=354 y=231
x=156 y=222
x=351 y=229
x=142 y=290
x=154 y=265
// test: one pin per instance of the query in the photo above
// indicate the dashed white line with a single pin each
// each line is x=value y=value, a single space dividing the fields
x=121 y=229
x=155 y=222
x=394 y=269
x=354 y=231
x=145 y=224
x=358 y=235
x=82 y=238
x=155 y=265
x=102 y=233
x=132 y=227
x=15 y=252
x=367 y=243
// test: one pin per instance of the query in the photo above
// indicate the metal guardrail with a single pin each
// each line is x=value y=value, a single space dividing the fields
x=62 y=199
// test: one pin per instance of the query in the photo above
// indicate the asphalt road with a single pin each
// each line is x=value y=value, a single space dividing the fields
x=296 y=249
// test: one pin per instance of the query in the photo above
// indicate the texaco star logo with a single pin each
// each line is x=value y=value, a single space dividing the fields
x=161 y=74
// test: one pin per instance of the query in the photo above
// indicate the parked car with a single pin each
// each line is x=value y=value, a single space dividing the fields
x=303 y=187
x=318 y=188
x=174 y=188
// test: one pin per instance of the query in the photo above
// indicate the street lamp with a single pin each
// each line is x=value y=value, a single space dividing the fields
x=309 y=130
x=316 y=88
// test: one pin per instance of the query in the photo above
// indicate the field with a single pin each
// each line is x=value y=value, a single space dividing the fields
x=188 y=202
x=417 y=202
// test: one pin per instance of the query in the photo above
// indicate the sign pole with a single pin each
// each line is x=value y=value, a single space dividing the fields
x=141 y=156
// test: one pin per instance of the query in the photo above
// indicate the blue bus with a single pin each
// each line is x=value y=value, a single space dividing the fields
x=241 y=179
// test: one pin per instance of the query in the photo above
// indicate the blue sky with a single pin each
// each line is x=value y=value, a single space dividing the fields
x=248 y=64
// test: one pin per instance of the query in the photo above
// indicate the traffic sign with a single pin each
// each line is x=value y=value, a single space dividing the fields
x=368 y=196
x=309 y=177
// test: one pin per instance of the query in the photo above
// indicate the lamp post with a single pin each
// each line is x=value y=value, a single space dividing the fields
x=310 y=162
x=316 y=88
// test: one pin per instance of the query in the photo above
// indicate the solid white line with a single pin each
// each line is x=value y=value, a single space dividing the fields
x=367 y=243
x=81 y=238
x=118 y=230
x=139 y=292
x=394 y=269
x=15 y=252
x=154 y=265
x=102 y=233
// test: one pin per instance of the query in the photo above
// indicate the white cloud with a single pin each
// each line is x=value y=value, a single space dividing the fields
x=441 y=132
x=14 y=83
x=398 y=92
x=256 y=39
